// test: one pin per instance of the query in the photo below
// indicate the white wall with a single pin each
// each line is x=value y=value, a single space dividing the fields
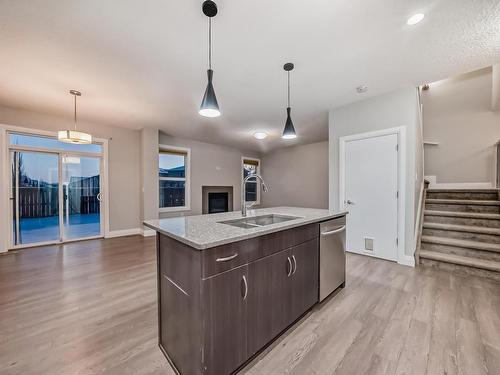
x=211 y=165
x=457 y=113
x=124 y=156
x=296 y=176
x=392 y=110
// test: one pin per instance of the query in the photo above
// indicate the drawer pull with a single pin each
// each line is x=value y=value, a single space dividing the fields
x=294 y=264
x=341 y=229
x=246 y=288
x=226 y=259
x=289 y=268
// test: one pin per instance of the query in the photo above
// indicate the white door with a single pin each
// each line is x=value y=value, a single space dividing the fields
x=371 y=195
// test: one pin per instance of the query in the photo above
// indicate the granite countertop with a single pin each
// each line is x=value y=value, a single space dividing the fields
x=205 y=231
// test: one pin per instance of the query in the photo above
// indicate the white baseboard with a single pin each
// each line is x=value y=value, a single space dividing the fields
x=148 y=232
x=131 y=232
x=433 y=184
x=123 y=232
x=407 y=260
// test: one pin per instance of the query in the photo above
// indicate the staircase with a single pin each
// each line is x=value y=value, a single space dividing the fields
x=461 y=232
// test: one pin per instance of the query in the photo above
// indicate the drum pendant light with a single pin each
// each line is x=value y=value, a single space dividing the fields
x=289 y=130
x=74 y=136
x=209 y=106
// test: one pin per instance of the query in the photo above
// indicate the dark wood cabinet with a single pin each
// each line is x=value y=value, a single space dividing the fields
x=304 y=278
x=215 y=315
x=225 y=300
x=268 y=300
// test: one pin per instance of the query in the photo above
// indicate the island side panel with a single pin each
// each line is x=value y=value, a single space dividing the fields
x=180 y=320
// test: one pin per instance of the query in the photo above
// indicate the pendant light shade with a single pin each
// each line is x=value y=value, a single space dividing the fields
x=209 y=106
x=74 y=136
x=289 y=130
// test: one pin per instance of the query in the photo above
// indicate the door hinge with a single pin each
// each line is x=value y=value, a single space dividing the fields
x=397 y=147
x=397 y=241
x=397 y=194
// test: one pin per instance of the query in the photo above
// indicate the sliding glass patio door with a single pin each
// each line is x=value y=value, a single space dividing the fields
x=34 y=194
x=81 y=190
x=54 y=197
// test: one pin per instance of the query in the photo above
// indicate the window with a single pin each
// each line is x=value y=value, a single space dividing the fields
x=173 y=172
x=252 y=187
x=45 y=142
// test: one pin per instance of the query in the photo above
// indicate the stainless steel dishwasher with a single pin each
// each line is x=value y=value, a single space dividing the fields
x=331 y=256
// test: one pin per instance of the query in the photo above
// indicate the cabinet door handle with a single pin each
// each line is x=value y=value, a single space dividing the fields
x=226 y=259
x=295 y=265
x=341 y=229
x=289 y=267
x=245 y=284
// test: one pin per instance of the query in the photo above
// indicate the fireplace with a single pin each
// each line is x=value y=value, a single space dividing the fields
x=218 y=202
x=216 y=199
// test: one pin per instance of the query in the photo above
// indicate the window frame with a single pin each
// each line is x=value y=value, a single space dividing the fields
x=259 y=167
x=186 y=179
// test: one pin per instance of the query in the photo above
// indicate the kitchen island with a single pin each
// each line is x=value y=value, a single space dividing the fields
x=229 y=285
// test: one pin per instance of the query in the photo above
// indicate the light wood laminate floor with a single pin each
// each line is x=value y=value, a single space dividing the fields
x=90 y=308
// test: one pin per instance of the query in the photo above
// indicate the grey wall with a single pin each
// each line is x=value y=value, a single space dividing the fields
x=386 y=111
x=457 y=114
x=211 y=165
x=124 y=156
x=296 y=176
x=149 y=174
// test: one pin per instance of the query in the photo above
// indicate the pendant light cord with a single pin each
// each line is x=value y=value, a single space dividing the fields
x=209 y=43
x=288 y=88
x=75 y=111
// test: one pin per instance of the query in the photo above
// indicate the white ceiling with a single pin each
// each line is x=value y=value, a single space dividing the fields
x=143 y=63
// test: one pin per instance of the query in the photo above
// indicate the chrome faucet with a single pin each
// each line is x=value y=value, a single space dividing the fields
x=243 y=192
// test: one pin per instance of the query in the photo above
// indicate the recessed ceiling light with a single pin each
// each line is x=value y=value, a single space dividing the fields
x=362 y=89
x=260 y=135
x=416 y=18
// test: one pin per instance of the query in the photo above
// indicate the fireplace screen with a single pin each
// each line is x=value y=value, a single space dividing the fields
x=218 y=202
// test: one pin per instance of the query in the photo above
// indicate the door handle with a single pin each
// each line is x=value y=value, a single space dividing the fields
x=245 y=284
x=99 y=197
x=226 y=259
x=341 y=229
x=295 y=265
x=289 y=267
x=350 y=202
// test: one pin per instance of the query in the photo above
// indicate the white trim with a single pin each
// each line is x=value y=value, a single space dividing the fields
x=123 y=232
x=407 y=260
x=257 y=202
x=148 y=232
x=4 y=194
x=187 y=179
x=105 y=184
x=433 y=184
x=401 y=133
x=419 y=213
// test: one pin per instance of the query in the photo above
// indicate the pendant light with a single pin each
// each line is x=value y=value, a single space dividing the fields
x=74 y=136
x=289 y=130
x=209 y=106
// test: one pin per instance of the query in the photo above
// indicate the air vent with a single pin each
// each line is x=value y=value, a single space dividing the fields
x=368 y=244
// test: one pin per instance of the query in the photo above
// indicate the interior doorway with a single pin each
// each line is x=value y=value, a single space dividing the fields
x=370 y=190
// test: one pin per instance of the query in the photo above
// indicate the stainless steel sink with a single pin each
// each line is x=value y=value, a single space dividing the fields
x=258 y=221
